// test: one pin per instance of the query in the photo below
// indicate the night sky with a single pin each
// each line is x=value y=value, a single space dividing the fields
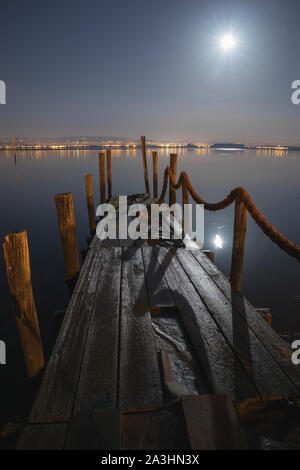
x=154 y=67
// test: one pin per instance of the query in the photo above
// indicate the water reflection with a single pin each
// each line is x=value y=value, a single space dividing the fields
x=218 y=241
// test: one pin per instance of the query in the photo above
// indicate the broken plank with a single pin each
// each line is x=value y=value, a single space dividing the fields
x=222 y=368
x=158 y=291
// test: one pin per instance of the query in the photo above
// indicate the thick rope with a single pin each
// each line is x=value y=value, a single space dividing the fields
x=236 y=195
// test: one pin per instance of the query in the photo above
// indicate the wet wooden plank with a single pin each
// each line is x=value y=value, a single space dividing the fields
x=56 y=394
x=259 y=364
x=43 y=437
x=139 y=384
x=158 y=291
x=97 y=385
x=279 y=349
x=212 y=423
x=223 y=369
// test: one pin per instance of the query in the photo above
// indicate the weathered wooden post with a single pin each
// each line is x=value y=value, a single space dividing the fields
x=90 y=202
x=102 y=177
x=108 y=169
x=67 y=228
x=17 y=261
x=143 y=143
x=238 y=248
x=185 y=212
x=173 y=167
x=155 y=174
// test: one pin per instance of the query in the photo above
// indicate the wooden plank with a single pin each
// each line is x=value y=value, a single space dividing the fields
x=139 y=384
x=96 y=431
x=181 y=363
x=278 y=348
x=212 y=423
x=43 y=437
x=259 y=364
x=56 y=394
x=154 y=430
x=158 y=291
x=222 y=368
x=97 y=386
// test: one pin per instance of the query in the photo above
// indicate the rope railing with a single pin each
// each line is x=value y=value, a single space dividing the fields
x=243 y=203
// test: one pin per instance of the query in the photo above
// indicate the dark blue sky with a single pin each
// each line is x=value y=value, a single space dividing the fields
x=133 y=67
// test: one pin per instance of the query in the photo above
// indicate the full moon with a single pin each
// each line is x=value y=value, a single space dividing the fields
x=227 y=42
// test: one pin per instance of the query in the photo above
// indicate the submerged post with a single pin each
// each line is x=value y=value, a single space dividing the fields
x=143 y=143
x=173 y=167
x=108 y=169
x=102 y=177
x=239 y=238
x=67 y=228
x=155 y=174
x=90 y=202
x=17 y=261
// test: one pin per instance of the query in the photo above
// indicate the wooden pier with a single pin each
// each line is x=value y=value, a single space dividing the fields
x=158 y=349
x=152 y=338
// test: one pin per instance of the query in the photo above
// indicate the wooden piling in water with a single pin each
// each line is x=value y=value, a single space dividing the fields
x=17 y=261
x=102 y=177
x=173 y=167
x=143 y=143
x=185 y=214
x=108 y=169
x=90 y=202
x=67 y=228
x=238 y=248
x=155 y=173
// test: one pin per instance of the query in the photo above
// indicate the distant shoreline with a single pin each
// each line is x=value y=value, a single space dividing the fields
x=59 y=147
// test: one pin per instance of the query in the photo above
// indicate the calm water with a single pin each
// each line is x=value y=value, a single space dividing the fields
x=271 y=277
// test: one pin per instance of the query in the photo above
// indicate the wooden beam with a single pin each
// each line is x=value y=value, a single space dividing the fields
x=173 y=167
x=239 y=238
x=16 y=256
x=143 y=143
x=67 y=228
x=102 y=177
x=90 y=202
